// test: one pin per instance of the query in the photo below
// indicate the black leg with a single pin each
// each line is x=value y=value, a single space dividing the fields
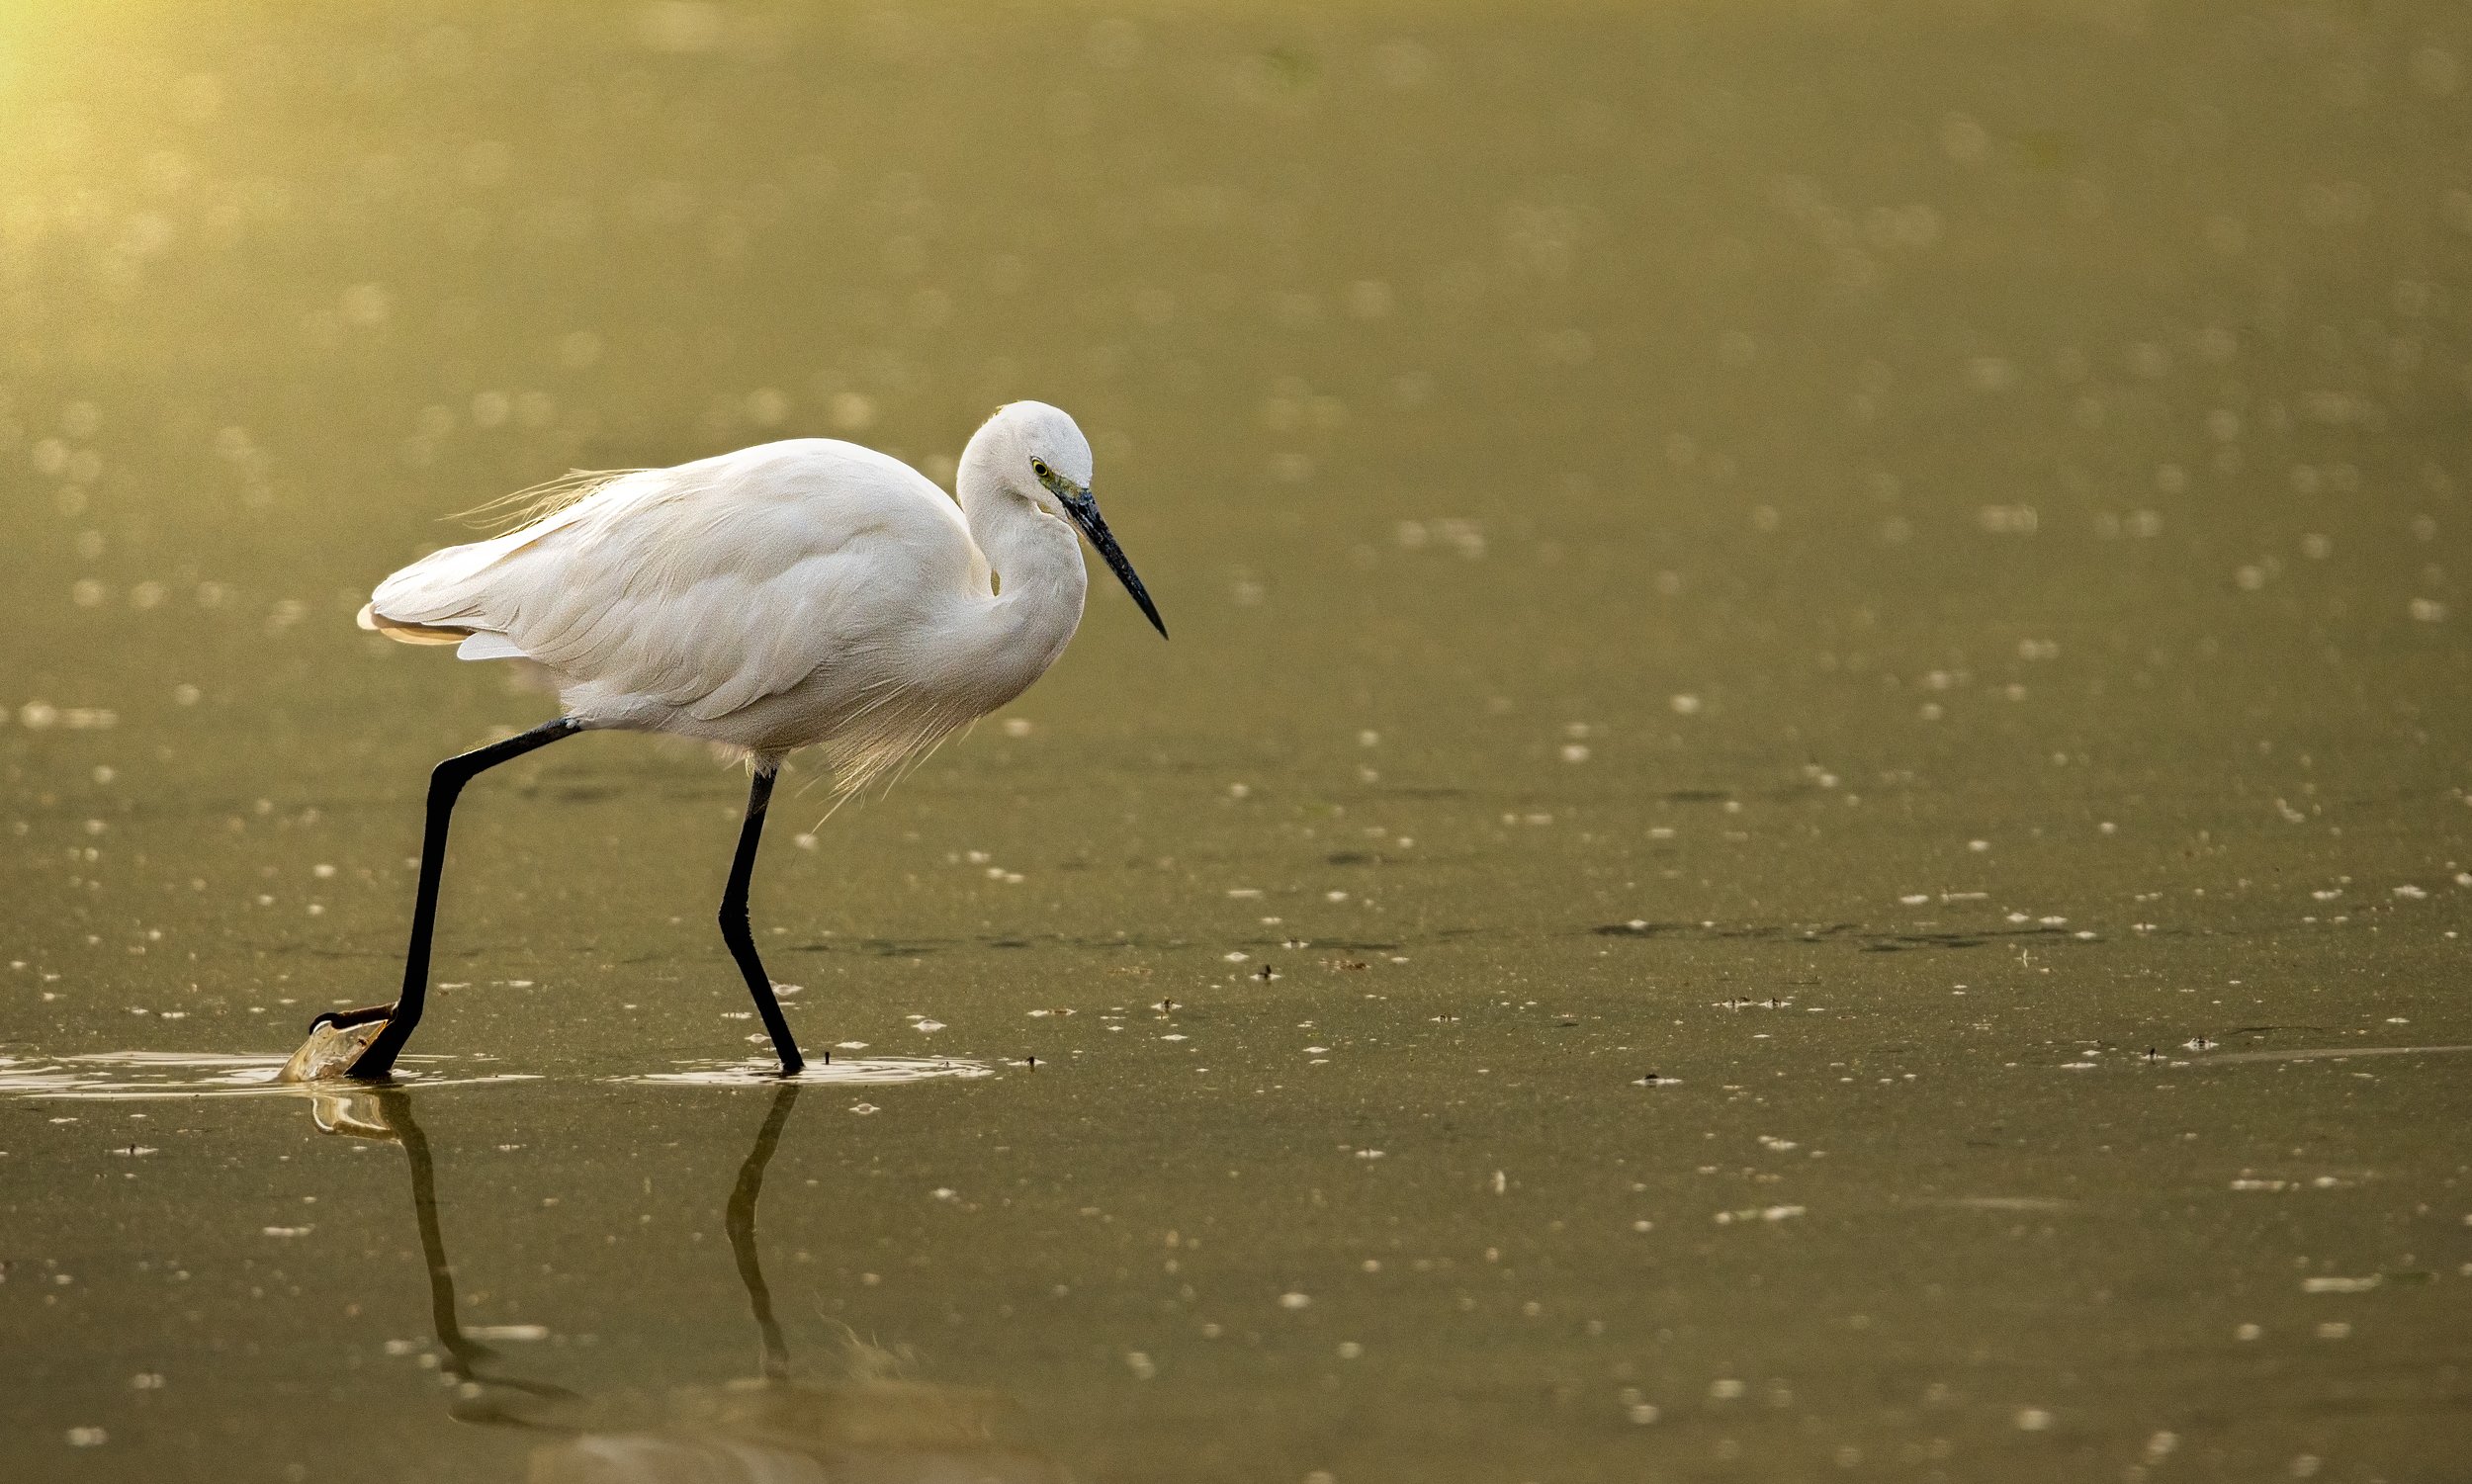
x=734 y=931
x=445 y=782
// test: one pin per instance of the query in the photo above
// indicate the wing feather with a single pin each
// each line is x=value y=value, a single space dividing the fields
x=705 y=588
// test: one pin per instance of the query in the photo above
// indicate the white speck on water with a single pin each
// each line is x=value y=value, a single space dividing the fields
x=88 y=1437
x=850 y=1046
x=1296 y=1300
x=2335 y=1329
x=862 y=1109
x=2341 y=1286
x=288 y=1231
x=1234 y=958
x=2033 y=1420
x=928 y=1025
x=519 y=1334
x=1172 y=1037
x=1726 y=1389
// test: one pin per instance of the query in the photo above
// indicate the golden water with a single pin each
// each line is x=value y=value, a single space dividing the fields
x=1817 y=719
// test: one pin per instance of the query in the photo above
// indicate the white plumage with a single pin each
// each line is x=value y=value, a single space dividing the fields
x=807 y=592
x=796 y=594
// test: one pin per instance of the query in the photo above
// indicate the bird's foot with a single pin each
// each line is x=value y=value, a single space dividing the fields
x=336 y=1042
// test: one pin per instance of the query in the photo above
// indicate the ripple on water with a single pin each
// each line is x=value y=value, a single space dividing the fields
x=2327 y=1053
x=111 y=1074
x=842 y=1068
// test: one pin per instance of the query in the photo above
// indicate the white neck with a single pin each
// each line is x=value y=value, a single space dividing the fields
x=1037 y=560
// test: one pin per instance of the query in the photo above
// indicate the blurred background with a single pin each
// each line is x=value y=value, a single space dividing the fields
x=1818 y=714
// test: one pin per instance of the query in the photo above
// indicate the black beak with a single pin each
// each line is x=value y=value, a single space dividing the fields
x=1083 y=508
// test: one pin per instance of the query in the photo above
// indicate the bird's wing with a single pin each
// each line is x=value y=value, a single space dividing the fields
x=710 y=585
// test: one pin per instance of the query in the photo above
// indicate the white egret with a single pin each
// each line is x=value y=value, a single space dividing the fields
x=803 y=593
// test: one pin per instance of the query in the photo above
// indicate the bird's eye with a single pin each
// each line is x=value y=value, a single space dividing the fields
x=1038 y=466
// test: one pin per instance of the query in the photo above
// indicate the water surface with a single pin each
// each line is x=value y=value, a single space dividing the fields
x=1808 y=817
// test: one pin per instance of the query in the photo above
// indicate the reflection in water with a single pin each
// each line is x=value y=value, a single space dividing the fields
x=387 y=1113
x=870 y=1427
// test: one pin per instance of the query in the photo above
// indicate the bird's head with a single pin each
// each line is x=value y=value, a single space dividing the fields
x=1038 y=453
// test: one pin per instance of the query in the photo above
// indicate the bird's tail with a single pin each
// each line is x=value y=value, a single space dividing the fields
x=403 y=633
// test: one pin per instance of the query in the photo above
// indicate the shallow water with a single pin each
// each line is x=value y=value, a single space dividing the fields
x=1809 y=816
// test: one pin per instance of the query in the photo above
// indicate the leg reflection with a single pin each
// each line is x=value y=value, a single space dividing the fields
x=872 y=1421
x=386 y=1113
x=738 y=1219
